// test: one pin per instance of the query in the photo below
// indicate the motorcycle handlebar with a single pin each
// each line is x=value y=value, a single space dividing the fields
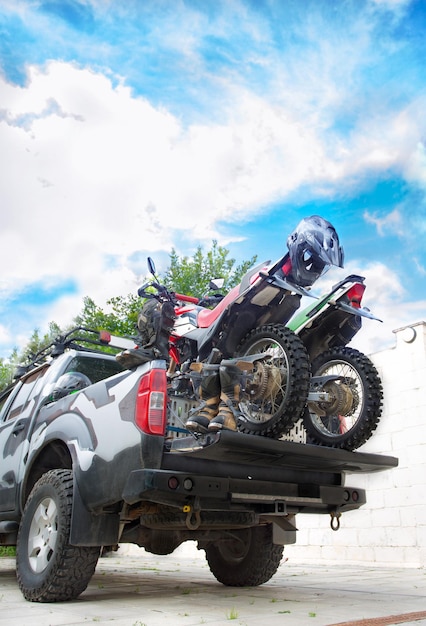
x=175 y=297
x=141 y=290
x=184 y=298
x=211 y=300
x=162 y=292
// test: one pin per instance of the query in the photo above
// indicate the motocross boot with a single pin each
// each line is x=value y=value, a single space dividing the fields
x=134 y=357
x=229 y=412
x=208 y=391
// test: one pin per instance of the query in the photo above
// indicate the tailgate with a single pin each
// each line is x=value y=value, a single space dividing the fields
x=228 y=446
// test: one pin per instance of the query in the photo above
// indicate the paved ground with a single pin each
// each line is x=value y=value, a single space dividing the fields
x=139 y=589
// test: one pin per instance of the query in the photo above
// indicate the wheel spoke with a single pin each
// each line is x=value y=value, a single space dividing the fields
x=339 y=422
x=39 y=518
x=41 y=560
x=35 y=544
x=262 y=408
x=51 y=512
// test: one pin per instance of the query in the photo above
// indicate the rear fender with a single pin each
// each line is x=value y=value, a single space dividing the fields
x=46 y=435
x=95 y=425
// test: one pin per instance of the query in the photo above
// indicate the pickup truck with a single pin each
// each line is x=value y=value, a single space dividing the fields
x=111 y=463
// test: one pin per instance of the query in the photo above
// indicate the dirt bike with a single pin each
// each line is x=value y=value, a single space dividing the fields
x=248 y=322
x=345 y=398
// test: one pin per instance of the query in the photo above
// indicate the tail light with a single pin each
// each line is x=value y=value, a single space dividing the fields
x=104 y=336
x=355 y=294
x=151 y=403
x=287 y=267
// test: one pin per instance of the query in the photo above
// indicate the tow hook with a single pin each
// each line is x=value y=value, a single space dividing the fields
x=335 y=520
x=193 y=518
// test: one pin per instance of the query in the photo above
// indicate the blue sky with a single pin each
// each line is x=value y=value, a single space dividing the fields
x=128 y=128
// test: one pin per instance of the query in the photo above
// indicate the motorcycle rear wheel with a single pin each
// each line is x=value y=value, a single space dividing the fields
x=276 y=414
x=353 y=412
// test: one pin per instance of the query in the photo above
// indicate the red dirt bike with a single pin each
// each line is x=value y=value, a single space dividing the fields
x=247 y=322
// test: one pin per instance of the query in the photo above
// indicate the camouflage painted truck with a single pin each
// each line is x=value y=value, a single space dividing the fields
x=110 y=464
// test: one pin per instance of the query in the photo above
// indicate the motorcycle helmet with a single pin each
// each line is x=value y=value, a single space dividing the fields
x=69 y=383
x=313 y=247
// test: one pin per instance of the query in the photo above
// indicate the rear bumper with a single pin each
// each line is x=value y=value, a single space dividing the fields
x=216 y=493
x=237 y=472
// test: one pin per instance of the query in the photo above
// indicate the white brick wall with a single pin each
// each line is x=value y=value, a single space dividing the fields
x=391 y=527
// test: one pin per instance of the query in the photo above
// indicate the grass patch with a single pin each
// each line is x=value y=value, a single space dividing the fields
x=233 y=614
x=7 y=551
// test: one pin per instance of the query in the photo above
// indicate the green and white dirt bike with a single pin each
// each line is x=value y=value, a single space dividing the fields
x=345 y=398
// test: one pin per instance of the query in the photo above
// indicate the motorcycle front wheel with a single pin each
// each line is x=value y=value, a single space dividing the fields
x=353 y=407
x=278 y=396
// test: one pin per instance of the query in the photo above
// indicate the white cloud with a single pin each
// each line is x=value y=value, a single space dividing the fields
x=416 y=165
x=419 y=267
x=393 y=5
x=392 y=222
x=90 y=171
x=4 y=334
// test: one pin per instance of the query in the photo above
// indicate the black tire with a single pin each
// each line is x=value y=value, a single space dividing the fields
x=356 y=408
x=274 y=416
x=48 y=568
x=246 y=558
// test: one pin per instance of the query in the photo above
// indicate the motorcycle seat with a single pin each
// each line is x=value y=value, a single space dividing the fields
x=206 y=317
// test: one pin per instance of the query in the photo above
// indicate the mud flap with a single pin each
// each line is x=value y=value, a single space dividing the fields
x=89 y=529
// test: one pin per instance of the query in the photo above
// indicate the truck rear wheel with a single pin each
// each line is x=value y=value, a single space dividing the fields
x=48 y=568
x=245 y=558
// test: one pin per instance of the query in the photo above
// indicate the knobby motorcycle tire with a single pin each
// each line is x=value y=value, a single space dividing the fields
x=296 y=384
x=368 y=400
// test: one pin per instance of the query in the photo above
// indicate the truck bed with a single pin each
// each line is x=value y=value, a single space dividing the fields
x=248 y=449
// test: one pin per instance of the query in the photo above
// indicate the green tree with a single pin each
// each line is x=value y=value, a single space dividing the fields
x=6 y=371
x=191 y=276
x=37 y=343
x=120 y=320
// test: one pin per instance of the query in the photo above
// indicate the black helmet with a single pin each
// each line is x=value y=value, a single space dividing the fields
x=69 y=383
x=313 y=247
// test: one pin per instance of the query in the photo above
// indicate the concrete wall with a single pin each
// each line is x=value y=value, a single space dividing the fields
x=391 y=527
